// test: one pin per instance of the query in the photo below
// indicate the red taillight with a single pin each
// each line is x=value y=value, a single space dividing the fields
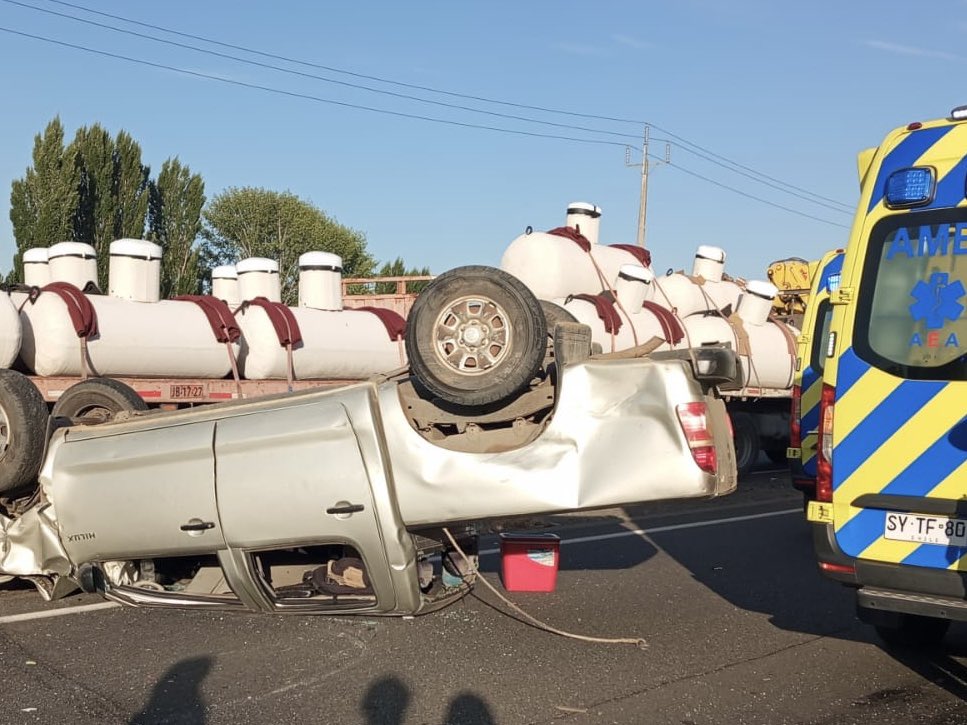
x=694 y=420
x=795 y=417
x=824 y=449
x=837 y=568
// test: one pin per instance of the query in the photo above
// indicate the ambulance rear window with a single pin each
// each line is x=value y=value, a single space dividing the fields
x=911 y=319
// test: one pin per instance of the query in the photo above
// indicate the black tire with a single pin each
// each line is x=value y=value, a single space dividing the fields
x=23 y=431
x=746 y=439
x=914 y=631
x=97 y=400
x=509 y=336
x=554 y=314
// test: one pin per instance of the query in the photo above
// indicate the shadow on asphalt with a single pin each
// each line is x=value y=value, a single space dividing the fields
x=937 y=665
x=386 y=700
x=177 y=695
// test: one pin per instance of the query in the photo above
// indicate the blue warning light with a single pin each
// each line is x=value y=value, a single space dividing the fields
x=909 y=187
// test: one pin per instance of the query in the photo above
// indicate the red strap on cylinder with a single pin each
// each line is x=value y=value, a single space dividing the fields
x=604 y=306
x=82 y=313
x=282 y=319
x=393 y=321
x=670 y=326
x=574 y=235
x=640 y=253
x=220 y=317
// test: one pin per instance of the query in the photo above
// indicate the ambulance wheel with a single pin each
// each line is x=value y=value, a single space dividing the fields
x=23 y=430
x=913 y=630
x=746 y=439
x=476 y=335
x=97 y=400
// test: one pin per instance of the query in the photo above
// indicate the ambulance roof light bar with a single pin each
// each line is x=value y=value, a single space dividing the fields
x=959 y=113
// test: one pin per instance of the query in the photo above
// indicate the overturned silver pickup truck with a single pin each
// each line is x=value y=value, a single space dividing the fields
x=336 y=501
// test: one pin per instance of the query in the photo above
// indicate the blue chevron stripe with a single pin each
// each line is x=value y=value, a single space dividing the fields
x=850 y=369
x=904 y=155
x=951 y=189
x=935 y=556
x=934 y=465
x=861 y=531
x=881 y=423
x=835 y=266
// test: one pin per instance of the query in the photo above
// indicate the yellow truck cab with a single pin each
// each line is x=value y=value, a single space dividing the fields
x=891 y=511
x=808 y=380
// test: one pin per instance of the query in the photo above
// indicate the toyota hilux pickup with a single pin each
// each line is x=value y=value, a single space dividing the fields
x=358 y=499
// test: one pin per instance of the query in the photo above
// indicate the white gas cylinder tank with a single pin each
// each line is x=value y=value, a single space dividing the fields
x=10 y=331
x=634 y=287
x=338 y=345
x=158 y=339
x=259 y=277
x=74 y=262
x=704 y=290
x=554 y=266
x=225 y=284
x=36 y=266
x=135 y=270
x=766 y=347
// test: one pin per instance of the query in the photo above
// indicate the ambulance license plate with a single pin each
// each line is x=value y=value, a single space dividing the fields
x=925 y=529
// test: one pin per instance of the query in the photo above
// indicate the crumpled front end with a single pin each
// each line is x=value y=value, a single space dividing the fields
x=30 y=548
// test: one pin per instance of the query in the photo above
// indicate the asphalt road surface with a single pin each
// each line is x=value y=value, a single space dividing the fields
x=739 y=626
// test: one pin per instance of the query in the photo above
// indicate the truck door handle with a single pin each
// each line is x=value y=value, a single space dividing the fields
x=346 y=509
x=198 y=526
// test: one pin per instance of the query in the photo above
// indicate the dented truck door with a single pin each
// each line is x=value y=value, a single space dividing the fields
x=293 y=488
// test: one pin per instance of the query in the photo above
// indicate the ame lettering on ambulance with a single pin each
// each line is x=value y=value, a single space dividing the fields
x=937 y=293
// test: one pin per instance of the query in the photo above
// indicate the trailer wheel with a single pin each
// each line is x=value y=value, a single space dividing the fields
x=97 y=400
x=23 y=429
x=746 y=439
x=476 y=335
x=914 y=630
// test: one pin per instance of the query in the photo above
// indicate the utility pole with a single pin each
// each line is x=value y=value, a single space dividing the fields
x=645 y=166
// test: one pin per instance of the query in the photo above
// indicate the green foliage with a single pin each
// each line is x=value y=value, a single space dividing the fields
x=176 y=199
x=398 y=268
x=113 y=198
x=43 y=202
x=253 y=222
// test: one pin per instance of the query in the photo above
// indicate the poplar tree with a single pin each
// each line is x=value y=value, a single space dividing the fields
x=43 y=203
x=175 y=202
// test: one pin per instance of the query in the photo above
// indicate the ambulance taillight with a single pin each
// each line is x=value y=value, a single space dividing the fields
x=824 y=453
x=795 y=418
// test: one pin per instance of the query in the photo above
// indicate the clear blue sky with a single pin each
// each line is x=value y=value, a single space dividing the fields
x=790 y=90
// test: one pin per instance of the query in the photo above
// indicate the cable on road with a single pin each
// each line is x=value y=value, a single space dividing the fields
x=637 y=641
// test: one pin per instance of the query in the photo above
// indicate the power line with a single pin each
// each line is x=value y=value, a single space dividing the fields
x=314 y=76
x=307 y=96
x=318 y=99
x=753 y=196
x=847 y=210
x=451 y=94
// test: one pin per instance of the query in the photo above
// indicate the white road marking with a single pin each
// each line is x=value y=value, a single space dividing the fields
x=63 y=611
x=661 y=529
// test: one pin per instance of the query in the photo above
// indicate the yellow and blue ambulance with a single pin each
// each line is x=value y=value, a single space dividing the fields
x=808 y=380
x=891 y=468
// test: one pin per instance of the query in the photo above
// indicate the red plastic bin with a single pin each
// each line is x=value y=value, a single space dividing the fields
x=529 y=562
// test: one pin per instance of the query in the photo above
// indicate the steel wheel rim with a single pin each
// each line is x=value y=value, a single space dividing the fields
x=472 y=335
x=4 y=432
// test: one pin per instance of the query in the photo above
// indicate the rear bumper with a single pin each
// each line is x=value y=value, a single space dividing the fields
x=871 y=603
x=893 y=588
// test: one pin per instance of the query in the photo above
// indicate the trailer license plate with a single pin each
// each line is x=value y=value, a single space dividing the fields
x=925 y=529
